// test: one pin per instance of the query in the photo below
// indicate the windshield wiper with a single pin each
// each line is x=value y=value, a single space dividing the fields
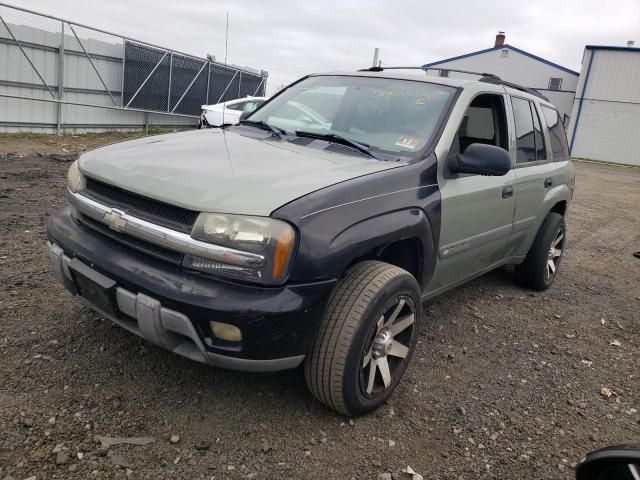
x=332 y=137
x=278 y=132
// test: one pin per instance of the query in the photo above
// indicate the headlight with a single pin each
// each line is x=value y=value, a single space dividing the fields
x=273 y=241
x=75 y=180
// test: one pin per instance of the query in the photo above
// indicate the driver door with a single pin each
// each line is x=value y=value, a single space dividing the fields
x=477 y=211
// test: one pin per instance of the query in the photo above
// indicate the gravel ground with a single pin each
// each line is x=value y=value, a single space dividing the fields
x=506 y=383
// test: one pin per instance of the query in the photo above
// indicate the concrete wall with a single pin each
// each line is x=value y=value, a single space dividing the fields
x=522 y=69
x=608 y=126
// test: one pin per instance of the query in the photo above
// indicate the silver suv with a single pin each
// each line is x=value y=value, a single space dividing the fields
x=312 y=232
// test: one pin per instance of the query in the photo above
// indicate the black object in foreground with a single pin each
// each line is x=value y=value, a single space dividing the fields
x=621 y=462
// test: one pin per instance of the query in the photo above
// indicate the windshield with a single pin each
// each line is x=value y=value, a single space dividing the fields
x=393 y=116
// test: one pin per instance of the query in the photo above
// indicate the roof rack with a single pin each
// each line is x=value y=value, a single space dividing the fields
x=424 y=69
x=484 y=77
x=531 y=91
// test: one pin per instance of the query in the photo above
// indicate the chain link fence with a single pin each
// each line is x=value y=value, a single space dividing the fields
x=61 y=75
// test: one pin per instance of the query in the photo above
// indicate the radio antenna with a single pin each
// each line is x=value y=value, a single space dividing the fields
x=226 y=49
x=224 y=136
x=226 y=41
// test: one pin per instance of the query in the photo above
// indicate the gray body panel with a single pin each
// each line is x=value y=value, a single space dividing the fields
x=215 y=171
x=480 y=230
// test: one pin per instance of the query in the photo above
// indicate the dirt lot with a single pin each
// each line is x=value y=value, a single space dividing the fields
x=59 y=147
x=505 y=384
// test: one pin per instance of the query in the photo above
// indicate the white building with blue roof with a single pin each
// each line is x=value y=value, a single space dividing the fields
x=512 y=64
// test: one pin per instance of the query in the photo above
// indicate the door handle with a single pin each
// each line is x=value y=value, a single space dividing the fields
x=507 y=192
x=548 y=183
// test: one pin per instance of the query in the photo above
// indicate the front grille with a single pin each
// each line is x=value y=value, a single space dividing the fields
x=157 y=212
x=133 y=242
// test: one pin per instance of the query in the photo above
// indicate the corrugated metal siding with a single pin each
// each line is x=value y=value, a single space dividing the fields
x=609 y=125
x=16 y=69
x=615 y=76
x=609 y=131
x=26 y=111
x=78 y=73
x=41 y=38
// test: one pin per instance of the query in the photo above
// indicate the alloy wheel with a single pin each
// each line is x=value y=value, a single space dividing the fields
x=555 y=252
x=388 y=347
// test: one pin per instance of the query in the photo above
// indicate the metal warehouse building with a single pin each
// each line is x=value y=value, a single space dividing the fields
x=556 y=82
x=605 y=124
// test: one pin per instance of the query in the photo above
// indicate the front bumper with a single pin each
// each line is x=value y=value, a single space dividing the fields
x=172 y=308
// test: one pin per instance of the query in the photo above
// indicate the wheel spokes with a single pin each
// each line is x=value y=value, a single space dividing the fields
x=402 y=324
x=372 y=375
x=367 y=359
x=395 y=313
x=552 y=266
x=556 y=252
x=383 y=366
x=399 y=317
x=399 y=350
x=558 y=239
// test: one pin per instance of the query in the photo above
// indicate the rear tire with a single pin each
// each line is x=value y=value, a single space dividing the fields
x=371 y=323
x=540 y=268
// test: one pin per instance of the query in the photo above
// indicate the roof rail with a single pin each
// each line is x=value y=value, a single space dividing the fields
x=484 y=77
x=515 y=86
x=468 y=72
x=424 y=69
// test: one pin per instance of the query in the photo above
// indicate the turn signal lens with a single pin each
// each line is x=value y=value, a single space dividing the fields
x=283 y=246
x=226 y=331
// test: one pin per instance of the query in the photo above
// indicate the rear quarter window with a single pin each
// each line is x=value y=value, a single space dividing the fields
x=557 y=135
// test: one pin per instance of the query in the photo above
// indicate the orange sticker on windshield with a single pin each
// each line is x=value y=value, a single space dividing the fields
x=407 y=142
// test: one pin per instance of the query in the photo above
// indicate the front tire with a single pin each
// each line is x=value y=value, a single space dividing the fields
x=366 y=338
x=540 y=268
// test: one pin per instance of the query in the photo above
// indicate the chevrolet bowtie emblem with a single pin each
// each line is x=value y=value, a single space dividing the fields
x=114 y=220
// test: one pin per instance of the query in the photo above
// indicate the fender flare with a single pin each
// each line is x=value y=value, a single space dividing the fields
x=378 y=232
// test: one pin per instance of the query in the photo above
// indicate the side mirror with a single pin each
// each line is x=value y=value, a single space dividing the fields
x=244 y=115
x=481 y=159
x=611 y=463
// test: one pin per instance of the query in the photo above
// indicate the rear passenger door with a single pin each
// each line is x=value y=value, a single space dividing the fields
x=534 y=171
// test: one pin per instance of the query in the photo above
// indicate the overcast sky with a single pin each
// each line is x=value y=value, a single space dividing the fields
x=292 y=38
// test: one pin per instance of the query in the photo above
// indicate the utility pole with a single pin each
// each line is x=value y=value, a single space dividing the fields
x=375 y=57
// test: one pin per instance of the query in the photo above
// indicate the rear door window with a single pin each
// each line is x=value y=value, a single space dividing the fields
x=529 y=138
x=541 y=151
x=557 y=135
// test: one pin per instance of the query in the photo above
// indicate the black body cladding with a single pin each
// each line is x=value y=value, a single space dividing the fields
x=277 y=322
x=347 y=221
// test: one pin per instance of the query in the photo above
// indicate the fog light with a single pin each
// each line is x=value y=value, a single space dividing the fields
x=225 y=331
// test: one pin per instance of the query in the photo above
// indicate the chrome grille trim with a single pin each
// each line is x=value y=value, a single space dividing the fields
x=154 y=211
x=162 y=236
